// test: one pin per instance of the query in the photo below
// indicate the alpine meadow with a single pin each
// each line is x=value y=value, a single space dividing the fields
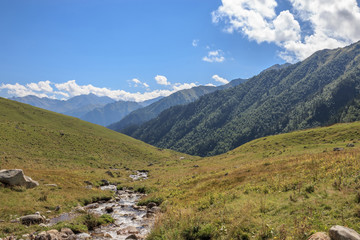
x=180 y=120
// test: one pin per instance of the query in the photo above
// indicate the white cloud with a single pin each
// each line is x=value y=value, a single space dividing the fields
x=40 y=86
x=71 y=88
x=181 y=86
x=214 y=56
x=162 y=80
x=195 y=42
x=333 y=23
x=19 y=90
x=219 y=79
x=136 y=81
x=139 y=83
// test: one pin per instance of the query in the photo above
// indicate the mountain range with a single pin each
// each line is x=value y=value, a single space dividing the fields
x=105 y=111
x=321 y=90
x=142 y=115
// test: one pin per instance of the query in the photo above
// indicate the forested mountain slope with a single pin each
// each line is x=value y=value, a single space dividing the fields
x=321 y=90
x=185 y=96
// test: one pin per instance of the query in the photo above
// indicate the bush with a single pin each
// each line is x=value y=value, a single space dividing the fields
x=145 y=202
x=205 y=232
x=310 y=189
x=91 y=221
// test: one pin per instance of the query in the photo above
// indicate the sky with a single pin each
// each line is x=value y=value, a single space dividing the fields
x=136 y=50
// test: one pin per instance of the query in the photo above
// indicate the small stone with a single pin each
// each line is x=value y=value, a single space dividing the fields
x=109 y=209
x=83 y=236
x=151 y=205
x=51 y=185
x=196 y=166
x=80 y=209
x=67 y=231
x=92 y=206
x=319 y=236
x=107 y=235
x=131 y=237
x=350 y=145
x=57 y=208
x=338 y=149
x=26 y=236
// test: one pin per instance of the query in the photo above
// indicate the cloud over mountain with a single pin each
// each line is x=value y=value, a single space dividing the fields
x=309 y=25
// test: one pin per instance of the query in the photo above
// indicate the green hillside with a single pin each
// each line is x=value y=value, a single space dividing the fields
x=321 y=90
x=279 y=187
x=57 y=149
x=285 y=186
x=147 y=113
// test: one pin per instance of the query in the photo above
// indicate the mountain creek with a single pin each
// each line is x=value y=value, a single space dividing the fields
x=131 y=221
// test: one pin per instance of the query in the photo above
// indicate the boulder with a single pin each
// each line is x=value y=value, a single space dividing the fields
x=343 y=233
x=32 y=219
x=16 y=177
x=319 y=236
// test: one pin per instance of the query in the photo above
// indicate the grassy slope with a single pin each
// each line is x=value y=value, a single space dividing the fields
x=280 y=187
x=53 y=148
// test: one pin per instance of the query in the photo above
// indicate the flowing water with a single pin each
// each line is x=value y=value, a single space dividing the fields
x=130 y=219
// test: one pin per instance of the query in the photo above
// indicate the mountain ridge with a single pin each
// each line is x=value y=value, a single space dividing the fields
x=185 y=96
x=272 y=102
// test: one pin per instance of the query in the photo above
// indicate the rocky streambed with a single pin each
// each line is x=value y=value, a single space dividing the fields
x=131 y=221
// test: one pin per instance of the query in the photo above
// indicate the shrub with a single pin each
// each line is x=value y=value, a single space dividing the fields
x=310 y=188
x=205 y=232
x=157 y=200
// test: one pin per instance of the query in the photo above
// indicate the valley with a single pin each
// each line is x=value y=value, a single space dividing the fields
x=288 y=185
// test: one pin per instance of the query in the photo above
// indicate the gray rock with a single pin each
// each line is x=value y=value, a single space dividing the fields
x=151 y=205
x=67 y=231
x=350 y=145
x=92 y=206
x=16 y=177
x=338 y=149
x=343 y=233
x=83 y=236
x=32 y=219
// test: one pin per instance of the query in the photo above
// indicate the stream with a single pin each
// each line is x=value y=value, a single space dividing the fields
x=131 y=221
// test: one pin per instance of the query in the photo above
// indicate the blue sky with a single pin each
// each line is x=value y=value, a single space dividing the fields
x=139 y=49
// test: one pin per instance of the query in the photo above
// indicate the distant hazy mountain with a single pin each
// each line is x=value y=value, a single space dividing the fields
x=76 y=106
x=321 y=90
x=111 y=112
x=115 y=111
x=142 y=115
